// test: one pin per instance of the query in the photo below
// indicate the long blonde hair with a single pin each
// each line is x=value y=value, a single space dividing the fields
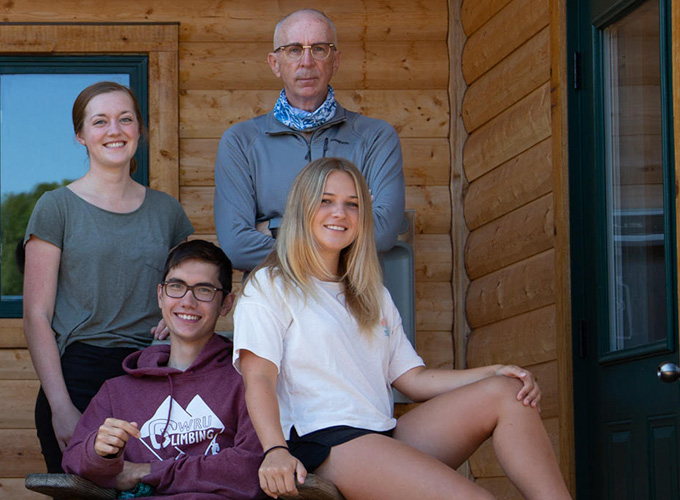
x=297 y=259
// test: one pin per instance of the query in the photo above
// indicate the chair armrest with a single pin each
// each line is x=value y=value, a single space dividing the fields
x=67 y=487
x=72 y=487
x=315 y=488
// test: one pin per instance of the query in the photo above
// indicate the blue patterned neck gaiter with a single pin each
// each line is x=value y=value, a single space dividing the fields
x=299 y=119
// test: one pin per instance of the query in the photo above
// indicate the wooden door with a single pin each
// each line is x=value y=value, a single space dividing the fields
x=623 y=250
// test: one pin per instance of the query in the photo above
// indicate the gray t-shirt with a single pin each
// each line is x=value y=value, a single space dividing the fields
x=110 y=265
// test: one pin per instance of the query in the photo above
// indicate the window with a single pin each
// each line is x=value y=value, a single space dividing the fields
x=38 y=151
x=71 y=56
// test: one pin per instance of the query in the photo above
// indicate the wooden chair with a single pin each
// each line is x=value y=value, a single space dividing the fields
x=72 y=487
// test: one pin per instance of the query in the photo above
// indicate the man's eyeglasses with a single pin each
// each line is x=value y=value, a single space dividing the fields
x=178 y=289
x=319 y=51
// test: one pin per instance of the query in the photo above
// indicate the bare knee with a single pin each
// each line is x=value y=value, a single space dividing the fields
x=501 y=387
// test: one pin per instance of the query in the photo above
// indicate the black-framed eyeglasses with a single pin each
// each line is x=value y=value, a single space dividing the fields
x=319 y=51
x=178 y=289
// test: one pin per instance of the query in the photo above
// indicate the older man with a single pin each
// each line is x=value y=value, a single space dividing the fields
x=258 y=159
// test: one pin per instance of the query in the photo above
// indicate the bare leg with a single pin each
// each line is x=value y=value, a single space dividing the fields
x=451 y=427
x=376 y=467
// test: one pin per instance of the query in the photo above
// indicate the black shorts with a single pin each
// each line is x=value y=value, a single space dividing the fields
x=313 y=448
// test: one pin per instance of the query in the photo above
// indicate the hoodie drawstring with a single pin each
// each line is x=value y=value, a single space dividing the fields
x=167 y=421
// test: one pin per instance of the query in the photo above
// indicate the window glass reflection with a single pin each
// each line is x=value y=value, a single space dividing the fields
x=634 y=175
x=38 y=152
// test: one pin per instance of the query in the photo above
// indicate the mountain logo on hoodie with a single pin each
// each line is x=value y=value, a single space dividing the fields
x=196 y=425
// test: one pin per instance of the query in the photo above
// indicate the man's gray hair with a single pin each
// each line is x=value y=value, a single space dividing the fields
x=313 y=12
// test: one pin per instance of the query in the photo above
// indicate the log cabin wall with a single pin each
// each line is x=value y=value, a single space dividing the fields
x=514 y=205
x=394 y=66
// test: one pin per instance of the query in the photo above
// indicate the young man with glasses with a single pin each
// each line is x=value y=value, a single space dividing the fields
x=258 y=159
x=177 y=423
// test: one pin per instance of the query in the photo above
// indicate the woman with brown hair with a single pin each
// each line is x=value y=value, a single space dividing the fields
x=94 y=253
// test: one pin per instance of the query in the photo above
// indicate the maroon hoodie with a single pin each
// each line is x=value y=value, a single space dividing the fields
x=195 y=429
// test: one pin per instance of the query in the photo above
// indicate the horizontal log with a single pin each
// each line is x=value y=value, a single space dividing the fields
x=15 y=364
x=502 y=34
x=198 y=204
x=19 y=454
x=430 y=202
x=12 y=333
x=401 y=65
x=236 y=20
x=433 y=208
x=518 y=128
x=524 y=232
x=506 y=83
x=197 y=161
x=474 y=13
x=355 y=20
x=413 y=113
x=231 y=65
x=433 y=257
x=65 y=38
x=18 y=397
x=436 y=348
x=522 y=287
x=426 y=161
x=14 y=489
x=363 y=64
x=509 y=186
x=527 y=339
x=207 y=114
x=434 y=307
x=484 y=464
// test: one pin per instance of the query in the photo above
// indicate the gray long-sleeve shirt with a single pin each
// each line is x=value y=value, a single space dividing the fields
x=258 y=160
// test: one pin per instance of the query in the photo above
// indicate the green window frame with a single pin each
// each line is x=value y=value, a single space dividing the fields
x=133 y=65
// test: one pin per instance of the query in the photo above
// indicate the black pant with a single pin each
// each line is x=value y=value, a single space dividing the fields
x=85 y=369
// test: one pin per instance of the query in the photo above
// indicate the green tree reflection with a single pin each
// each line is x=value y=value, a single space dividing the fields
x=15 y=211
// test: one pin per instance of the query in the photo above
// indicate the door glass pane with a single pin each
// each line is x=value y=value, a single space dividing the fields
x=38 y=152
x=634 y=179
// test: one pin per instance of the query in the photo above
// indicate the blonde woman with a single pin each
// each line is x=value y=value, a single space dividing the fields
x=320 y=343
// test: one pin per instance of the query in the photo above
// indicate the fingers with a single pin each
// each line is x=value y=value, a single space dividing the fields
x=277 y=473
x=161 y=331
x=161 y=334
x=530 y=393
x=301 y=473
x=112 y=436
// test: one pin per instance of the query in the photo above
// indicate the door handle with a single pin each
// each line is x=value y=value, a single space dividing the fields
x=668 y=372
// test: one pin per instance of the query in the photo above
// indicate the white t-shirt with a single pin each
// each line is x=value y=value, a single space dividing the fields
x=330 y=373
